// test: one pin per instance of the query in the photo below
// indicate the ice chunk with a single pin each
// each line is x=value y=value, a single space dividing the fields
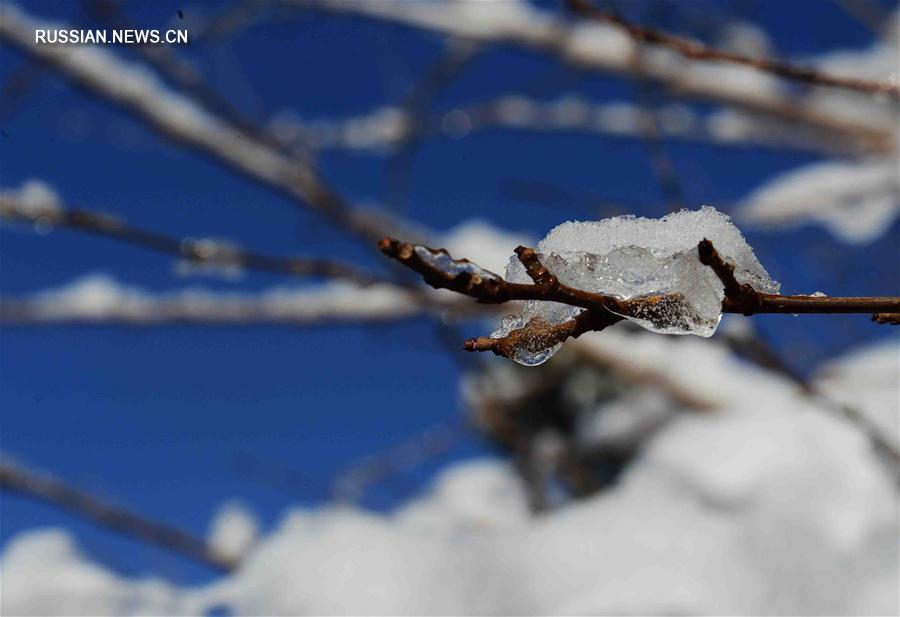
x=629 y=258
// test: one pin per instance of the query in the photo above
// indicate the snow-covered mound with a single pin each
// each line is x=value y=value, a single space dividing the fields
x=768 y=505
x=630 y=257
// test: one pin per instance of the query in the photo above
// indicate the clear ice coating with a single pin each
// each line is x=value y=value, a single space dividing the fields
x=444 y=263
x=630 y=257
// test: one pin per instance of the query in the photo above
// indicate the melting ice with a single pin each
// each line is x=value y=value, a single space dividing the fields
x=629 y=257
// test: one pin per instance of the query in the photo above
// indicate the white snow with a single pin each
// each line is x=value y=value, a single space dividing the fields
x=99 y=297
x=856 y=200
x=233 y=531
x=33 y=199
x=44 y=573
x=767 y=505
x=483 y=243
x=867 y=381
x=629 y=257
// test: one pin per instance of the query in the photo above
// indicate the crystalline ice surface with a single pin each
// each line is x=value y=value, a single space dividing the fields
x=630 y=257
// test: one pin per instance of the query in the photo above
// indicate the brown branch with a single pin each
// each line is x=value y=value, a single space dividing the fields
x=17 y=479
x=538 y=335
x=441 y=271
x=734 y=291
x=695 y=50
x=195 y=250
x=742 y=298
x=887 y=318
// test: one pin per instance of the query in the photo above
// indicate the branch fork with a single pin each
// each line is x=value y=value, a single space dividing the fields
x=600 y=311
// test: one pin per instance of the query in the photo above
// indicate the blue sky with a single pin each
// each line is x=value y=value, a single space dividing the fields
x=158 y=418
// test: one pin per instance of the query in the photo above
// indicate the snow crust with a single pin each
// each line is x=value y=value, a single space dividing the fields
x=629 y=257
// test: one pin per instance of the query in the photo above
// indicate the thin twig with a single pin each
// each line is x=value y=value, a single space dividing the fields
x=743 y=299
x=17 y=479
x=698 y=51
x=394 y=462
x=441 y=271
x=887 y=318
x=196 y=250
x=416 y=109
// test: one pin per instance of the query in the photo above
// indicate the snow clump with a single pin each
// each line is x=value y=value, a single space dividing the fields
x=629 y=257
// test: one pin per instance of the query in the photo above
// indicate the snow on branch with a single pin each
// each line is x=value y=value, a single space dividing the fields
x=588 y=276
x=606 y=47
x=856 y=200
x=181 y=119
x=36 y=203
x=695 y=50
x=100 y=299
x=387 y=128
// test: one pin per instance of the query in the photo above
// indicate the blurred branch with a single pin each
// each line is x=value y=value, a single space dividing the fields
x=751 y=347
x=664 y=170
x=101 y=73
x=695 y=50
x=868 y=13
x=352 y=483
x=416 y=110
x=608 y=48
x=17 y=479
x=273 y=474
x=887 y=318
x=389 y=128
x=441 y=271
x=15 y=89
x=195 y=250
x=182 y=73
x=642 y=374
x=99 y=299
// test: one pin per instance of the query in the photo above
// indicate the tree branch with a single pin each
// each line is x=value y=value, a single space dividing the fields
x=577 y=43
x=100 y=299
x=441 y=271
x=196 y=250
x=181 y=119
x=887 y=318
x=386 y=129
x=17 y=479
x=742 y=298
x=695 y=50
